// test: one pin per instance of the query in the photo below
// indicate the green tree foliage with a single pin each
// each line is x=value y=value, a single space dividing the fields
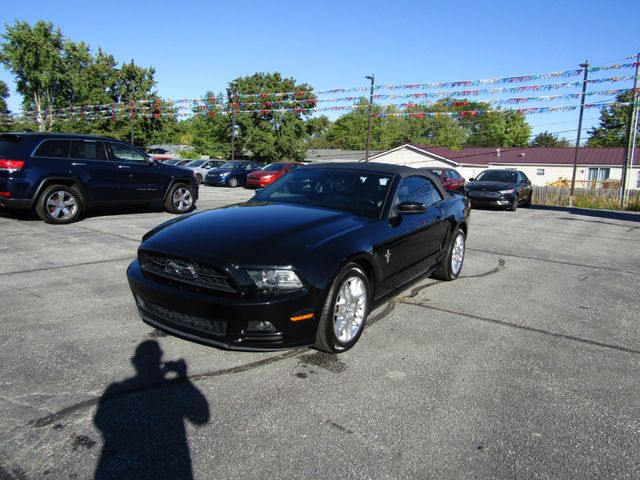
x=68 y=88
x=4 y=94
x=208 y=131
x=614 y=122
x=546 y=139
x=271 y=135
x=34 y=55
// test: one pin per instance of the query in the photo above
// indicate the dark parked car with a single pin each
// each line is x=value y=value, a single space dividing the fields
x=201 y=167
x=450 y=178
x=232 y=173
x=304 y=261
x=61 y=175
x=500 y=188
x=269 y=174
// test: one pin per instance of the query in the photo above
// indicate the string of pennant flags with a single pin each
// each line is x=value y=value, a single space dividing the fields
x=307 y=102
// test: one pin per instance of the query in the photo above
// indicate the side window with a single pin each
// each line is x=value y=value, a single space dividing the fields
x=53 y=148
x=418 y=189
x=87 y=150
x=125 y=153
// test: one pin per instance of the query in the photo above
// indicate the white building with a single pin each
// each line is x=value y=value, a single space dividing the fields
x=543 y=165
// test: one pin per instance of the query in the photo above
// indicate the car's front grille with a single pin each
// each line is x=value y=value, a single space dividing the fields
x=179 y=319
x=483 y=194
x=187 y=272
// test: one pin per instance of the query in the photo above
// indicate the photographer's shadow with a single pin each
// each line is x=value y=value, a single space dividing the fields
x=142 y=419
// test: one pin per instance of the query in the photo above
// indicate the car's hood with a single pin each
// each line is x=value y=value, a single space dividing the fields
x=251 y=233
x=490 y=186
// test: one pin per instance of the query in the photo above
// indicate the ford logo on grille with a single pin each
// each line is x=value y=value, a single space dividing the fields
x=180 y=269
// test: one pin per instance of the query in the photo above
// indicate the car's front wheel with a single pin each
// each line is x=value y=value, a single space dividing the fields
x=345 y=311
x=233 y=182
x=514 y=205
x=59 y=204
x=180 y=199
x=451 y=264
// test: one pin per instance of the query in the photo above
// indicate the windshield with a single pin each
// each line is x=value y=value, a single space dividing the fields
x=358 y=192
x=196 y=163
x=272 y=167
x=496 y=176
x=233 y=165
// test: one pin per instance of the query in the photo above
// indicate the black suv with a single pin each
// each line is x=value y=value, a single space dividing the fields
x=60 y=175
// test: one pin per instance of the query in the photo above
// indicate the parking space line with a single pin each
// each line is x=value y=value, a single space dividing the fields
x=523 y=327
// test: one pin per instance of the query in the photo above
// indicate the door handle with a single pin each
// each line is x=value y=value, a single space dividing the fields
x=76 y=164
x=124 y=166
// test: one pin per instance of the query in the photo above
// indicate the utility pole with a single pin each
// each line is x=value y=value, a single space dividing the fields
x=232 y=96
x=585 y=66
x=372 y=78
x=632 y=128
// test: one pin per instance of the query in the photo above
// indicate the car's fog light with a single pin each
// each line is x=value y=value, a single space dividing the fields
x=140 y=302
x=262 y=326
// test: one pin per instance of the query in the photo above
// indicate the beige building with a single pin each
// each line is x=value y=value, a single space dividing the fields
x=543 y=165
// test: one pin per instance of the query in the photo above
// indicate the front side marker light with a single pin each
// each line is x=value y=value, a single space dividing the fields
x=302 y=317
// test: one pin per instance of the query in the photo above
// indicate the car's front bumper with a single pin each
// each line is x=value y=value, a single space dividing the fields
x=224 y=320
x=489 y=199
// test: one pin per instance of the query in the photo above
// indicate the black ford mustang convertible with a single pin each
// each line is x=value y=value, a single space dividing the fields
x=304 y=261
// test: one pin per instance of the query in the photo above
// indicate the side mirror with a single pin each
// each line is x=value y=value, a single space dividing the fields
x=471 y=179
x=411 y=208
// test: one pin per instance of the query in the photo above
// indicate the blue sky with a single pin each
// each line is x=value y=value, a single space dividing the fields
x=197 y=46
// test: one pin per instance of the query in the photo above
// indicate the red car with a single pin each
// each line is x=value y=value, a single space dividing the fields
x=450 y=179
x=269 y=174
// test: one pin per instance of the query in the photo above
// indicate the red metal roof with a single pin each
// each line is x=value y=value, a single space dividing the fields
x=532 y=155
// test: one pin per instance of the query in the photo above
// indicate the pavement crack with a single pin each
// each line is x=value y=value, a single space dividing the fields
x=82 y=264
x=526 y=328
x=558 y=262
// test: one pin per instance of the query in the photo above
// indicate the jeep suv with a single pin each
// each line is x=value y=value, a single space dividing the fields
x=59 y=175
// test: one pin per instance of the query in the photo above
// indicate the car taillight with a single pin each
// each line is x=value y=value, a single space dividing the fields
x=11 y=165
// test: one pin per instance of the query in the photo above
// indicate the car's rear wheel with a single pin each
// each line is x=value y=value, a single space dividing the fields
x=180 y=199
x=59 y=204
x=233 y=182
x=345 y=311
x=451 y=264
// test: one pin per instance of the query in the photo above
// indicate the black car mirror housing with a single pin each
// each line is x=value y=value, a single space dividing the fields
x=409 y=208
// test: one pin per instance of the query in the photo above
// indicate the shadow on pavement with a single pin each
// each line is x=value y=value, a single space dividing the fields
x=142 y=419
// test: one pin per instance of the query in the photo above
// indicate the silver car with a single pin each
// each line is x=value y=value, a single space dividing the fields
x=200 y=167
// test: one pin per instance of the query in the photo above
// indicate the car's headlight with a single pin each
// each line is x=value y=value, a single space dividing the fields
x=225 y=174
x=267 y=177
x=275 y=279
x=507 y=192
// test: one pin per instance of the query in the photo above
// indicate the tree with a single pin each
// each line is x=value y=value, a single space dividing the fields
x=270 y=114
x=546 y=139
x=5 y=118
x=209 y=130
x=34 y=56
x=614 y=122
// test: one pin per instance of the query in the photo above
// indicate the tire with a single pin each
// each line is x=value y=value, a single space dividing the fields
x=198 y=178
x=527 y=203
x=180 y=199
x=451 y=264
x=514 y=205
x=350 y=294
x=59 y=204
x=233 y=182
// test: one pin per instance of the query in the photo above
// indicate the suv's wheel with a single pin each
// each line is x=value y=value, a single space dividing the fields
x=59 y=204
x=233 y=182
x=198 y=178
x=345 y=311
x=451 y=264
x=180 y=199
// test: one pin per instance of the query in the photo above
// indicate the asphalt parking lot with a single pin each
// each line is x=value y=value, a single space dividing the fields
x=528 y=366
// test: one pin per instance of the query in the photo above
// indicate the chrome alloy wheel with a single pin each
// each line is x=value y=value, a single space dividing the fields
x=182 y=199
x=61 y=205
x=457 y=254
x=350 y=309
